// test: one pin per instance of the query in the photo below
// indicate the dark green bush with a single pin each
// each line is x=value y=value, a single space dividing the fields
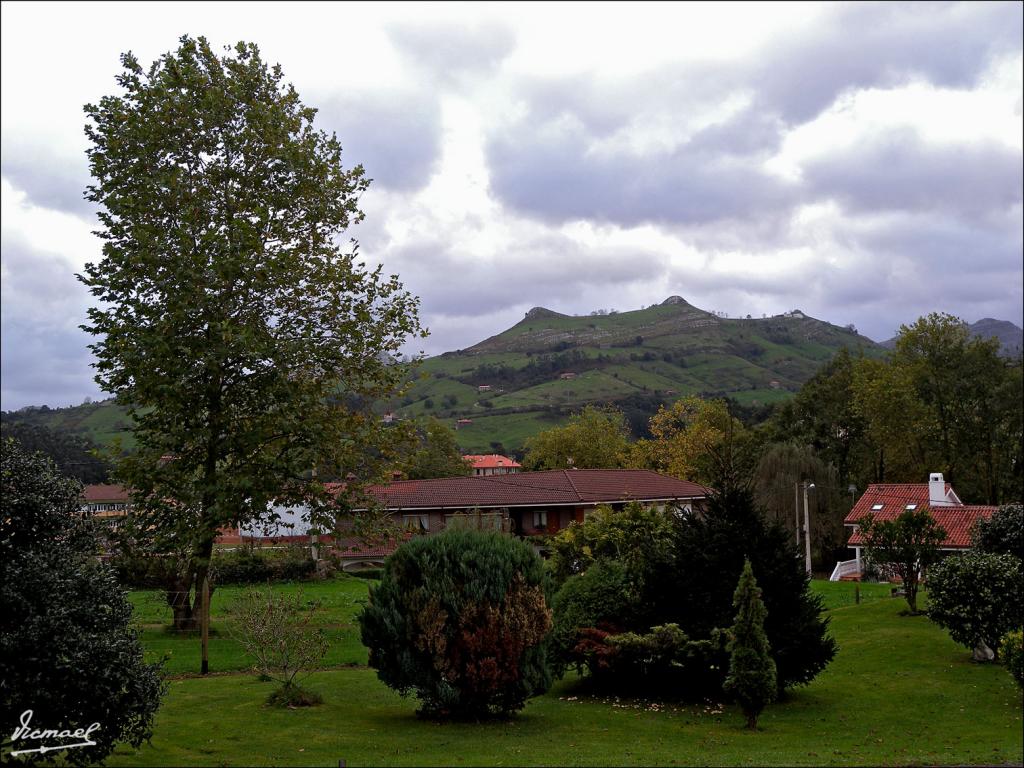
x=978 y=597
x=681 y=583
x=460 y=620
x=1011 y=648
x=1003 y=534
x=69 y=650
x=697 y=590
x=598 y=599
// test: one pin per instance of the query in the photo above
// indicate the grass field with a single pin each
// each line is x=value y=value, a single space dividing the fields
x=899 y=692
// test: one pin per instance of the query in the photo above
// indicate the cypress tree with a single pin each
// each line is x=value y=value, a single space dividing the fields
x=751 y=677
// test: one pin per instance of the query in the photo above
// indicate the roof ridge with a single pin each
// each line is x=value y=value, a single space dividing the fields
x=571 y=483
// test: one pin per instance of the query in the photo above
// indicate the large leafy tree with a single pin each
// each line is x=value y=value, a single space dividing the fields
x=595 y=438
x=945 y=402
x=68 y=650
x=241 y=333
x=699 y=440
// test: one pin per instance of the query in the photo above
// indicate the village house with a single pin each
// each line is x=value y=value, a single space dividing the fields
x=106 y=501
x=887 y=501
x=492 y=464
x=535 y=503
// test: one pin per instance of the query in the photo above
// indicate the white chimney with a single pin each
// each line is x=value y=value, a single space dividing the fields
x=937 y=490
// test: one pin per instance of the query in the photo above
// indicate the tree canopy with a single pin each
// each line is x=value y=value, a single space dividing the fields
x=245 y=339
x=594 y=438
x=434 y=452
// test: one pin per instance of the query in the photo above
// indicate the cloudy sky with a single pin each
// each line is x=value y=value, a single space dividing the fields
x=860 y=162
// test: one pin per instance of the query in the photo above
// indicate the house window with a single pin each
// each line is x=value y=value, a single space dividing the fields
x=875 y=507
x=911 y=507
x=416 y=522
x=540 y=519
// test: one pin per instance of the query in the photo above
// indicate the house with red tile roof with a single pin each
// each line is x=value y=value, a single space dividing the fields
x=887 y=501
x=534 y=503
x=492 y=464
x=105 y=500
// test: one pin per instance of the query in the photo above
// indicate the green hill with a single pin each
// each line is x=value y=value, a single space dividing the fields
x=548 y=365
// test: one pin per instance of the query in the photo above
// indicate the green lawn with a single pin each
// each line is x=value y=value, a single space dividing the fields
x=899 y=692
x=340 y=601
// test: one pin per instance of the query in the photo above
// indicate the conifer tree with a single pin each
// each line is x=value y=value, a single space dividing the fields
x=751 y=677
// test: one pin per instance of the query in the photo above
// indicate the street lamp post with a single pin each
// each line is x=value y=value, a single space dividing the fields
x=807 y=527
x=796 y=507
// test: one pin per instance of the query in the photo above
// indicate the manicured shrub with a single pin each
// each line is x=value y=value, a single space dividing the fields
x=751 y=679
x=978 y=597
x=1003 y=533
x=1011 y=648
x=460 y=620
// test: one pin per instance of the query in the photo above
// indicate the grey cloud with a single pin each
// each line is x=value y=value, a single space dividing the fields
x=883 y=44
x=45 y=357
x=49 y=180
x=552 y=176
x=542 y=270
x=898 y=171
x=395 y=135
x=942 y=245
x=543 y=165
x=449 y=52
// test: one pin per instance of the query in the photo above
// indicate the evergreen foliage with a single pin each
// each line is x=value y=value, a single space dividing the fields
x=692 y=594
x=460 y=620
x=977 y=596
x=68 y=651
x=641 y=577
x=751 y=679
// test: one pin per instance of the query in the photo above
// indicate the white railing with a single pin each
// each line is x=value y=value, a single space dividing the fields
x=845 y=568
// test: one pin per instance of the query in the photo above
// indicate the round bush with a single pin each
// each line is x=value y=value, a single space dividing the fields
x=977 y=597
x=1011 y=648
x=460 y=620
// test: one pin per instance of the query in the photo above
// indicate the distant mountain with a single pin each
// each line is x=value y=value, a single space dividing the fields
x=1011 y=337
x=527 y=378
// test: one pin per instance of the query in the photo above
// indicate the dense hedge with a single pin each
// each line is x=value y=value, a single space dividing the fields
x=244 y=565
x=460 y=620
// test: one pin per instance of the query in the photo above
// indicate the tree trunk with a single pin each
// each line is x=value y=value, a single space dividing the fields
x=752 y=722
x=179 y=598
